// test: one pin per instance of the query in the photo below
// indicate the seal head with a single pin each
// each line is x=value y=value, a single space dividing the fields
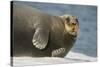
x=71 y=24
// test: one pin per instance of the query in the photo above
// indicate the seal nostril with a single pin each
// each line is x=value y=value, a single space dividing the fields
x=73 y=23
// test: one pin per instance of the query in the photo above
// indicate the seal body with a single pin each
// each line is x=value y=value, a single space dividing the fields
x=41 y=35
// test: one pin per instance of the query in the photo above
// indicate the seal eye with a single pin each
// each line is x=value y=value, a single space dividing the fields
x=68 y=19
x=76 y=20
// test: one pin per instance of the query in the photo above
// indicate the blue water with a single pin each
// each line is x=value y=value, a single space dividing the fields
x=87 y=15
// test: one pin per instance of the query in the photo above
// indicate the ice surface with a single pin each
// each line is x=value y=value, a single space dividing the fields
x=72 y=57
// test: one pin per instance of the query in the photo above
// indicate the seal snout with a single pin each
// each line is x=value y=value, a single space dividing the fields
x=74 y=27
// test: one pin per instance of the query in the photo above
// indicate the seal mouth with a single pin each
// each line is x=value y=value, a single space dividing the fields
x=73 y=33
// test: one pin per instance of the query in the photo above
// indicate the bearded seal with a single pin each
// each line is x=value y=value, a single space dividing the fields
x=38 y=34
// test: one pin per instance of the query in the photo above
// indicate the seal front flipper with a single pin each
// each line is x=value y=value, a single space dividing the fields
x=40 y=38
x=58 y=52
